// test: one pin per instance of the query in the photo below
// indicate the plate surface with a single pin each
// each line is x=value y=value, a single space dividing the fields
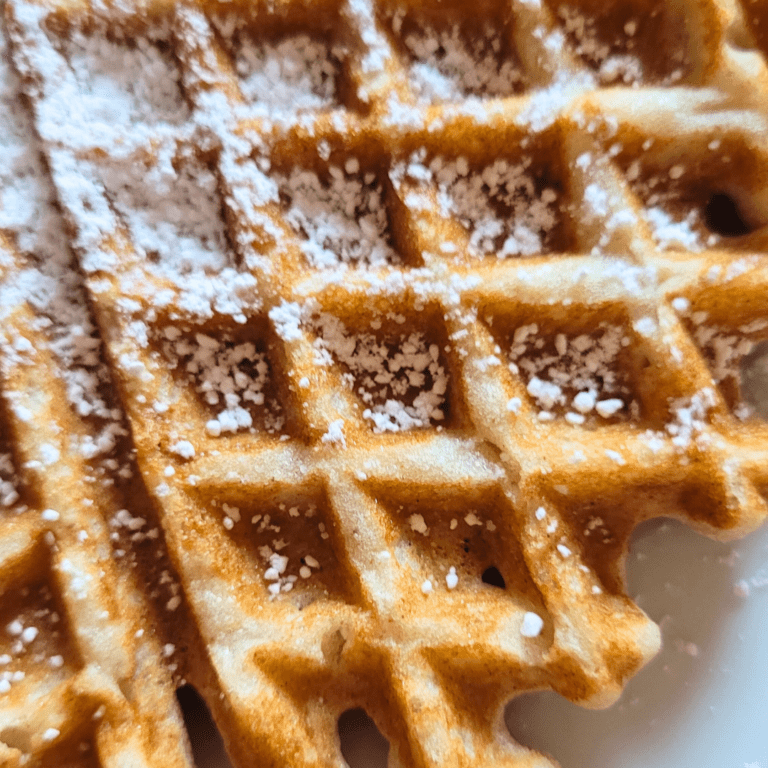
x=702 y=700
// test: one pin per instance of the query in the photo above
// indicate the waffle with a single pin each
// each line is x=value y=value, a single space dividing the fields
x=82 y=674
x=386 y=306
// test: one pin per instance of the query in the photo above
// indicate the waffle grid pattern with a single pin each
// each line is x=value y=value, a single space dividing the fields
x=432 y=665
x=84 y=689
x=82 y=668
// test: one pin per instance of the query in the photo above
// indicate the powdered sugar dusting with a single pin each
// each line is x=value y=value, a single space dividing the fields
x=690 y=416
x=171 y=208
x=576 y=376
x=400 y=380
x=46 y=277
x=9 y=494
x=341 y=219
x=231 y=378
x=111 y=89
x=291 y=544
x=144 y=178
x=26 y=209
x=123 y=82
x=447 y=66
x=502 y=206
x=613 y=50
x=281 y=79
x=737 y=363
x=32 y=638
x=674 y=233
x=676 y=223
x=612 y=65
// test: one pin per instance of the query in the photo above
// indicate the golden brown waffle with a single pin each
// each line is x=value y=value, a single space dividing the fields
x=395 y=295
x=82 y=673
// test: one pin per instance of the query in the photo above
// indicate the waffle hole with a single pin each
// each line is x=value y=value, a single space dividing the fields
x=284 y=66
x=493 y=577
x=754 y=379
x=452 y=54
x=123 y=66
x=342 y=209
x=402 y=377
x=620 y=40
x=362 y=743
x=722 y=216
x=738 y=36
x=204 y=737
x=234 y=374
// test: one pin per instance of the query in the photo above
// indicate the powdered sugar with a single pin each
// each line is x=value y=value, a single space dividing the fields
x=689 y=419
x=532 y=624
x=172 y=212
x=291 y=543
x=46 y=276
x=576 y=376
x=121 y=83
x=613 y=62
x=27 y=210
x=502 y=206
x=616 y=55
x=361 y=13
x=738 y=372
x=342 y=219
x=286 y=318
x=675 y=223
x=9 y=494
x=725 y=350
x=97 y=89
x=123 y=97
x=26 y=207
x=232 y=378
x=401 y=380
x=674 y=233
x=546 y=104
x=447 y=66
x=293 y=75
x=335 y=434
x=31 y=636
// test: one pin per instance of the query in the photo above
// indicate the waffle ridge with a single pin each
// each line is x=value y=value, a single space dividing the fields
x=251 y=349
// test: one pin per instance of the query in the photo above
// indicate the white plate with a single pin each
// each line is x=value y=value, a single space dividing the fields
x=701 y=703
